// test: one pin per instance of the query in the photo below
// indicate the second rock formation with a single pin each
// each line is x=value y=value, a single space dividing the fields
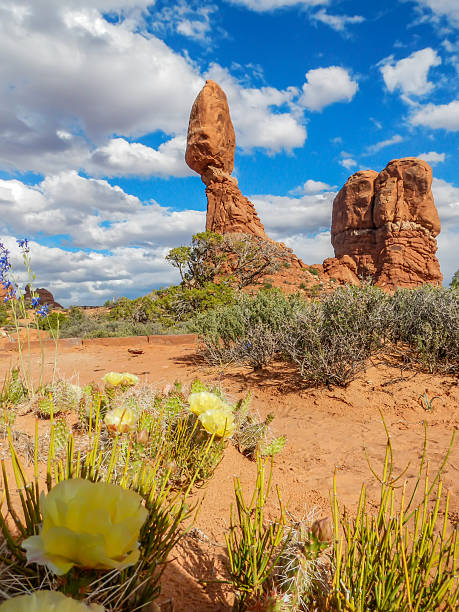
x=385 y=226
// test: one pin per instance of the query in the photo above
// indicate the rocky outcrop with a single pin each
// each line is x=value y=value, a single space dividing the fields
x=385 y=226
x=46 y=297
x=210 y=152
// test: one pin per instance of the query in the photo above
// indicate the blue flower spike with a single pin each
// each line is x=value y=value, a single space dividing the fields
x=43 y=312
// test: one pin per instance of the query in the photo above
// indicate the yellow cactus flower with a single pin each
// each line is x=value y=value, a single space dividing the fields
x=204 y=401
x=88 y=524
x=129 y=379
x=218 y=422
x=113 y=378
x=47 y=601
x=120 y=420
x=116 y=379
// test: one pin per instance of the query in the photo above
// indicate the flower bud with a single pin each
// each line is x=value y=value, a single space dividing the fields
x=323 y=529
x=142 y=437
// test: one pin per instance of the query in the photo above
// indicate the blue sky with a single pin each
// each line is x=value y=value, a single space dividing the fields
x=94 y=108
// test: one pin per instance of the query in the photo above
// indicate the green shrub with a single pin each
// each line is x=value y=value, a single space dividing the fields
x=331 y=340
x=426 y=320
x=237 y=259
x=179 y=303
x=248 y=331
x=55 y=320
x=5 y=314
x=171 y=306
x=138 y=310
x=455 y=280
x=103 y=327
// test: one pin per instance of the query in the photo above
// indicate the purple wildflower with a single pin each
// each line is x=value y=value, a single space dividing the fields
x=43 y=312
x=23 y=243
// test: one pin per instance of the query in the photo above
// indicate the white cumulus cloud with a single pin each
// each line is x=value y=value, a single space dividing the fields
x=337 y=22
x=90 y=278
x=122 y=158
x=438 y=116
x=384 y=143
x=191 y=19
x=256 y=120
x=410 y=74
x=284 y=215
x=303 y=223
x=443 y=8
x=92 y=213
x=446 y=196
x=348 y=163
x=311 y=187
x=73 y=80
x=432 y=157
x=325 y=86
x=270 y=5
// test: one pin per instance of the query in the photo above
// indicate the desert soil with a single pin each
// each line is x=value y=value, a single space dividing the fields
x=327 y=433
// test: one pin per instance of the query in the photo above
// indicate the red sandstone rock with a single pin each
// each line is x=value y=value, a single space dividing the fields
x=352 y=208
x=210 y=152
x=211 y=140
x=227 y=209
x=384 y=225
x=46 y=297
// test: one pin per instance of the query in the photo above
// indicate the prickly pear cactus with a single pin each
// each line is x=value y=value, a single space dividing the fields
x=274 y=447
x=241 y=412
x=14 y=391
x=46 y=406
x=173 y=404
x=61 y=433
x=66 y=396
x=249 y=436
x=255 y=436
x=301 y=570
x=146 y=422
x=268 y=602
x=7 y=417
x=197 y=386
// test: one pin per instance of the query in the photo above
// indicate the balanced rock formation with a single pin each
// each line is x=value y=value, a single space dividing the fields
x=210 y=151
x=385 y=226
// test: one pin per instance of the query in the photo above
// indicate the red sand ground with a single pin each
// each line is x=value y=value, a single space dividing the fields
x=327 y=431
